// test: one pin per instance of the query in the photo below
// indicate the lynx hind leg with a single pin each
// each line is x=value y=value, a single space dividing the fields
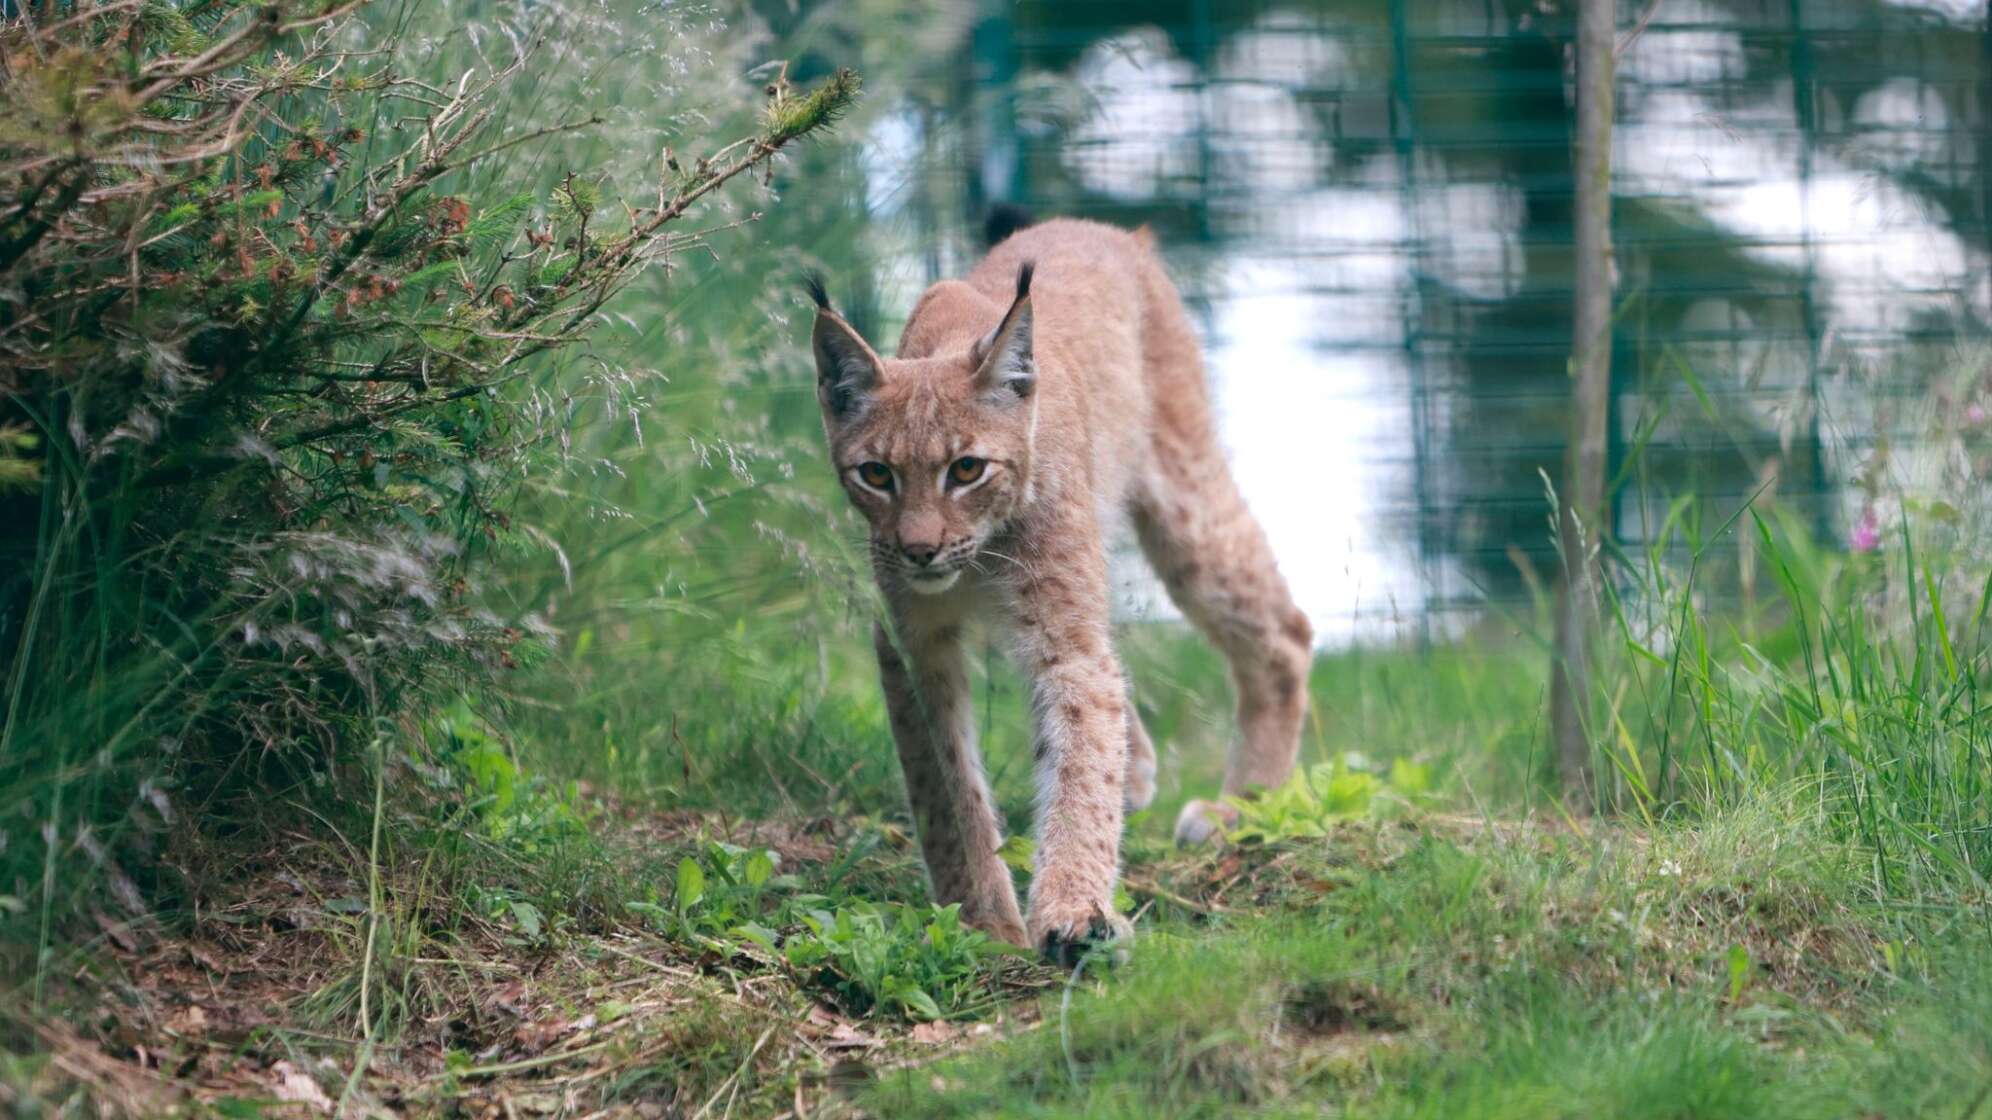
x=1214 y=559
x=1139 y=790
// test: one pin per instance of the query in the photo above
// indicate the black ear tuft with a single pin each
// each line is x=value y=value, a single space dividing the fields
x=846 y=368
x=1005 y=218
x=1005 y=358
x=814 y=282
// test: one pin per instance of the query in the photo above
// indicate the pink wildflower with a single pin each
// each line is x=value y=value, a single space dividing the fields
x=1975 y=413
x=1866 y=536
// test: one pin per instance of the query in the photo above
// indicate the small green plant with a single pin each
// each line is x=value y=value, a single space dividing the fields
x=1344 y=788
x=915 y=961
x=893 y=959
x=725 y=899
x=528 y=812
x=503 y=905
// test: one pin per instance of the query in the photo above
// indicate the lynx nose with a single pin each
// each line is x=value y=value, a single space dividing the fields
x=919 y=533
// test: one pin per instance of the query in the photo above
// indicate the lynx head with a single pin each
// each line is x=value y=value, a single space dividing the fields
x=935 y=451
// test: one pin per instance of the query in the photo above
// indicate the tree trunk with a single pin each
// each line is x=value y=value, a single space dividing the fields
x=1580 y=519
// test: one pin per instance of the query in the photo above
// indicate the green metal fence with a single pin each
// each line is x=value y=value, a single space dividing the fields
x=1368 y=203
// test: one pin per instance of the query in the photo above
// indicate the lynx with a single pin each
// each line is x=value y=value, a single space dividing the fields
x=1052 y=398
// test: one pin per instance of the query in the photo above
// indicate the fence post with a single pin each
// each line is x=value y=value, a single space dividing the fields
x=1580 y=520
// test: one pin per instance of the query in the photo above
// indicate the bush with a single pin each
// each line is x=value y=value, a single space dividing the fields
x=274 y=352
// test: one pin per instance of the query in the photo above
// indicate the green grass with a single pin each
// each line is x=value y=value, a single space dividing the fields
x=1734 y=968
x=1408 y=952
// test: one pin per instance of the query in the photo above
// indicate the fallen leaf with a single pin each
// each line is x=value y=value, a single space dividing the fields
x=206 y=960
x=935 y=1032
x=535 y=1037
x=193 y=1020
x=297 y=1086
x=845 y=1036
x=117 y=931
x=511 y=997
x=822 y=1016
x=836 y=1030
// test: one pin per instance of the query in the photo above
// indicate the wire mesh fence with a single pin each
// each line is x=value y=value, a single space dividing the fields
x=1368 y=204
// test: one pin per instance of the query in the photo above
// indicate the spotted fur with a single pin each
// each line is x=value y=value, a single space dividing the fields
x=1065 y=366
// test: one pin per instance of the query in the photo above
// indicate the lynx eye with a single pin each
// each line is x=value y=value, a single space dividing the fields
x=878 y=476
x=966 y=469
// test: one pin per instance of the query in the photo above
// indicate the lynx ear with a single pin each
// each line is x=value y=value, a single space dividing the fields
x=1004 y=360
x=847 y=370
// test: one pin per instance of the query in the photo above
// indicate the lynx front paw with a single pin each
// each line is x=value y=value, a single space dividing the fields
x=1203 y=821
x=1066 y=935
x=1104 y=938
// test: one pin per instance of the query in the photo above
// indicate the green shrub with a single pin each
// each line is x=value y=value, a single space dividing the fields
x=276 y=343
